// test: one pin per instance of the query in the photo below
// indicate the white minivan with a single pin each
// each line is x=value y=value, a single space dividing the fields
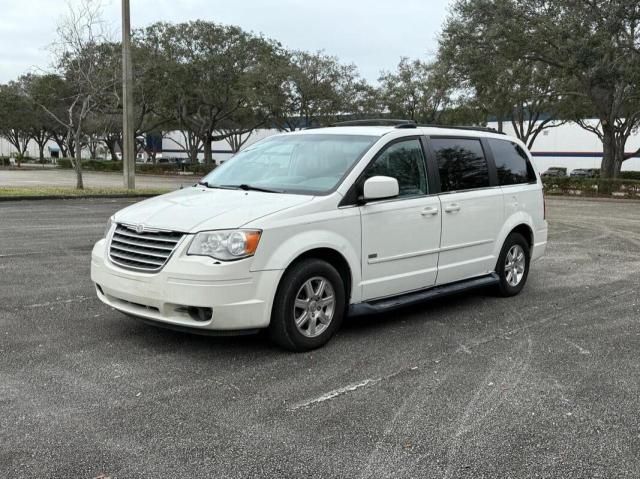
x=301 y=229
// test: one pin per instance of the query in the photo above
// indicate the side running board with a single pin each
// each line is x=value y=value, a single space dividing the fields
x=417 y=297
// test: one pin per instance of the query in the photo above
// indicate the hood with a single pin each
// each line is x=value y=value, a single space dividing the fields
x=199 y=208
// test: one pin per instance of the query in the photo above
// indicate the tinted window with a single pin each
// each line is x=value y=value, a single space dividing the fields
x=461 y=163
x=512 y=163
x=403 y=161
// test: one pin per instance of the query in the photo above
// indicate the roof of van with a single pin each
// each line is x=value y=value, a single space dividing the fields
x=384 y=130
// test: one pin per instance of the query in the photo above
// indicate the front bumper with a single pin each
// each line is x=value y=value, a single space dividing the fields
x=237 y=297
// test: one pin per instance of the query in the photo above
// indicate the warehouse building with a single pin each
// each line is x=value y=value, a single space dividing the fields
x=567 y=146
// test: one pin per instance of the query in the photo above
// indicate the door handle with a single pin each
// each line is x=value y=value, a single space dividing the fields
x=429 y=211
x=452 y=208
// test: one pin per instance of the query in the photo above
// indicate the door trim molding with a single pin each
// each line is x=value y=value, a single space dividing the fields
x=415 y=254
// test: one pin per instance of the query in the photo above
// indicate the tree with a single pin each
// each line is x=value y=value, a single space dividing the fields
x=238 y=130
x=580 y=57
x=479 y=48
x=150 y=79
x=16 y=115
x=593 y=46
x=210 y=74
x=415 y=91
x=365 y=102
x=315 y=89
x=50 y=93
x=42 y=127
x=148 y=86
x=82 y=57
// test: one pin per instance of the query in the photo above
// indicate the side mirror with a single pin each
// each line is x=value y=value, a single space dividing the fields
x=380 y=187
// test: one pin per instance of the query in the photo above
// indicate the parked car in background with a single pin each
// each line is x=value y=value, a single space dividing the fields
x=585 y=173
x=301 y=229
x=555 y=172
x=168 y=161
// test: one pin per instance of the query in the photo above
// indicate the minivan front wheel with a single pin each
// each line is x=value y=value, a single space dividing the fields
x=513 y=265
x=309 y=306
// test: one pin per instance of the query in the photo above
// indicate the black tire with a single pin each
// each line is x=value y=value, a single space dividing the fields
x=282 y=329
x=504 y=288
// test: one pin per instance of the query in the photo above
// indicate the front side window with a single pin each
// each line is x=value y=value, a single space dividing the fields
x=298 y=163
x=403 y=161
x=512 y=163
x=461 y=163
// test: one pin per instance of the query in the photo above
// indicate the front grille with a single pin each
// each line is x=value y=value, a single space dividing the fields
x=146 y=251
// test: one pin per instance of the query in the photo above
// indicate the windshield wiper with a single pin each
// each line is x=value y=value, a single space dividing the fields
x=209 y=185
x=246 y=187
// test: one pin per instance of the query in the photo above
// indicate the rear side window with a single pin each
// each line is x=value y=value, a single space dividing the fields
x=461 y=163
x=512 y=163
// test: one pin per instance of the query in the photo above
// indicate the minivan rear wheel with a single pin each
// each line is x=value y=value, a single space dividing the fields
x=309 y=306
x=513 y=265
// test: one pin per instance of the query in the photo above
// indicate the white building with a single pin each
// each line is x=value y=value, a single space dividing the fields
x=566 y=146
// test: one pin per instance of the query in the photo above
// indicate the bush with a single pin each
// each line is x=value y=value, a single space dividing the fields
x=592 y=187
x=64 y=163
x=161 y=169
x=148 y=168
x=173 y=168
x=92 y=165
x=630 y=175
x=201 y=169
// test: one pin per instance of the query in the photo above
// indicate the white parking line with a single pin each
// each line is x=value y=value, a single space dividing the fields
x=335 y=393
x=78 y=299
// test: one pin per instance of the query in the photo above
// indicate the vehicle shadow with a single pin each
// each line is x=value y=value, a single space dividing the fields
x=144 y=335
x=139 y=334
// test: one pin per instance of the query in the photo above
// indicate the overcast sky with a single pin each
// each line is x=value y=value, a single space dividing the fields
x=373 y=34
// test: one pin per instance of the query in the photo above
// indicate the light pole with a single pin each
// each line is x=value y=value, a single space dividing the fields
x=128 y=134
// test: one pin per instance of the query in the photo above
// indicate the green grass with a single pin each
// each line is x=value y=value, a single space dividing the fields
x=30 y=192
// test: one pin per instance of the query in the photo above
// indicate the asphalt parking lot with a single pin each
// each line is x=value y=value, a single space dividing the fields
x=546 y=384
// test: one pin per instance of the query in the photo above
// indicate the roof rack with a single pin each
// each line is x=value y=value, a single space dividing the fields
x=468 y=128
x=411 y=124
x=378 y=122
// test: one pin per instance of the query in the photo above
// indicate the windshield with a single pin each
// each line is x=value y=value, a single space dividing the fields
x=305 y=164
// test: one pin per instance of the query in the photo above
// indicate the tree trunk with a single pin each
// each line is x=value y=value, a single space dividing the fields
x=208 y=154
x=111 y=146
x=78 y=163
x=620 y=157
x=62 y=147
x=608 y=165
x=41 y=152
x=193 y=153
x=71 y=148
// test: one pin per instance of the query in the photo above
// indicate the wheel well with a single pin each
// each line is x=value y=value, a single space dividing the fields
x=336 y=260
x=525 y=231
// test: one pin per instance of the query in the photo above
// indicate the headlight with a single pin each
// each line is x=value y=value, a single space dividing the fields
x=108 y=228
x=225 y=245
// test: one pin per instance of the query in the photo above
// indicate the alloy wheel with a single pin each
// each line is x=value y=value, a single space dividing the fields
x=314 y=306
x=515 y=265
